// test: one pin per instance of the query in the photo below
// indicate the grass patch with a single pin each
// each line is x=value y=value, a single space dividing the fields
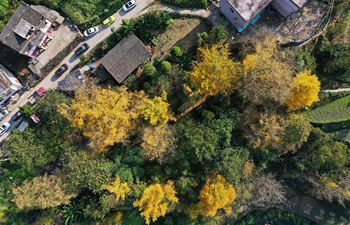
x=336 y=111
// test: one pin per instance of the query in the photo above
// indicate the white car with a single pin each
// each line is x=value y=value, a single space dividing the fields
x=4 y=128
x=91 y=31
x=129 y=5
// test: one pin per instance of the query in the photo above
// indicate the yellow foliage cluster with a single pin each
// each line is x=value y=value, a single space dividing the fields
x=215 y=73
x=155 y=200
x=304 y=91
x=120 y=189
x=158 y=141
x=216 y=194
x=156 y=111
x=107 y=116
x=329 y=183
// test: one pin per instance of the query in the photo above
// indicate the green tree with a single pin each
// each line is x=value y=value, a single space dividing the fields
x=25 y=151
x=85 y=171
x=218 y=34
x=323 y=153
x=297 y=132
x=40 y=193
x=4 y=5
x=230 y=163
x=197 y=140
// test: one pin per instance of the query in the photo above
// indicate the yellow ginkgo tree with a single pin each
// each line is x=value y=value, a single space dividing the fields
x=119 y=188
x=155 y=201
x=304 y=91
x=216 y=194
x=108 y=116
x=215 y=73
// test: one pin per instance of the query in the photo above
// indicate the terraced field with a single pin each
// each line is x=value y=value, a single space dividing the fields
x=336 y=111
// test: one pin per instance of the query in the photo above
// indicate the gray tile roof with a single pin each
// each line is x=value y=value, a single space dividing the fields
x=125 y=57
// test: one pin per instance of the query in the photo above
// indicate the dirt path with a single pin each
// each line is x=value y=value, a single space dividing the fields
x=340 y=90
x=319 y=212
x=185 y=12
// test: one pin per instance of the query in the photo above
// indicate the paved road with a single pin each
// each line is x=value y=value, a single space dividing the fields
x=51 y=82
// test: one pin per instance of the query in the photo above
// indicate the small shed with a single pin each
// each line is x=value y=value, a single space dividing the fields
x=125 y=57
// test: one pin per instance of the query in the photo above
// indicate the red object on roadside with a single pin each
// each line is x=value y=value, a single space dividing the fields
x=35 y=118
x=41 y=91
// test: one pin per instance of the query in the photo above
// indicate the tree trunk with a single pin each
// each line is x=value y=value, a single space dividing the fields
x=194 y=106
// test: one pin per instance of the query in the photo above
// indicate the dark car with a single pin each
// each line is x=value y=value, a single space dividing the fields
x=17 y=116
x=82 y=49
x=61 y=70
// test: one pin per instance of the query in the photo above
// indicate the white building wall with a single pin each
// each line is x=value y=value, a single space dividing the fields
x=9 y=84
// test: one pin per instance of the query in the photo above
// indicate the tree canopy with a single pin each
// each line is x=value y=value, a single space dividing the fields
x=155 y=200
x=304 y=91
x=215 y=73
x=108 y=117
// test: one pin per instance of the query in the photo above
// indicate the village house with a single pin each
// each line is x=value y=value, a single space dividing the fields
x=243 y=13
x=9 y=85
x=28 y=30
x=124 y=58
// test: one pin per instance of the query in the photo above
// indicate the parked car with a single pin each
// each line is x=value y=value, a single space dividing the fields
x=91 y=31
x=61 y=70
x=4 y=111
x=108 y=21
x=82 y=49
x=2 y=116
x=129 y=5
x=35 y=118
x=17 y=116
x=41 y=91
x=4 y=128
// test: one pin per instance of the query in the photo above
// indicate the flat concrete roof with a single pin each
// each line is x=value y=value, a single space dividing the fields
x=300 y=3
x=248 y=9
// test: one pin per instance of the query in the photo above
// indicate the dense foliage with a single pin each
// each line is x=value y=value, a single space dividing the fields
x=188 y=3
x=200 y=136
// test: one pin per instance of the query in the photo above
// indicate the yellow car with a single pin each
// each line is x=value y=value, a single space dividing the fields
x=108 y=21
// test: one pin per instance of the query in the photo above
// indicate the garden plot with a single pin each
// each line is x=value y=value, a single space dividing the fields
x=182 y=32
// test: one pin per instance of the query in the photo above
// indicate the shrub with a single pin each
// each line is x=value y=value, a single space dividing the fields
x=176 y=52
x=149 y=70
x=165 y=67
x=218 y=34
x=27 y=110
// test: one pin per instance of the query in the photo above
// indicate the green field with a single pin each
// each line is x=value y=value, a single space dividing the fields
x=336 y=111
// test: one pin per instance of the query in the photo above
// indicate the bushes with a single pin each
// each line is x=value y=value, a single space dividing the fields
x=176 y=52
x=188 y=3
